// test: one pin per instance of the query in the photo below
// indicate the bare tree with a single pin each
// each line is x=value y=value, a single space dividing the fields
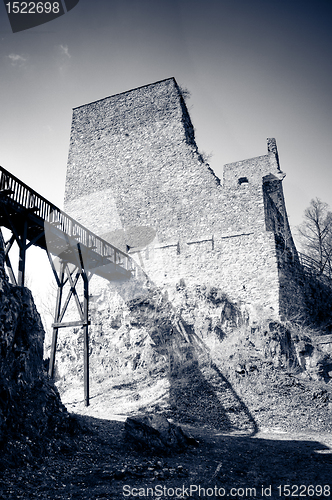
x=315 y=234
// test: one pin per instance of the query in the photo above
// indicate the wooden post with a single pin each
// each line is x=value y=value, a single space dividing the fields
x=86 y=338
x=10 y=271
x=56 y=319
x=8 y=246
x=86 y=325
x=22 y=255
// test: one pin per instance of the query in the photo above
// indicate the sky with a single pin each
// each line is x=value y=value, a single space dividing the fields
x=254 y=69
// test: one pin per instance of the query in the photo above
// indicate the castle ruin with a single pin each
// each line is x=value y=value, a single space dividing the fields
x=136 y=178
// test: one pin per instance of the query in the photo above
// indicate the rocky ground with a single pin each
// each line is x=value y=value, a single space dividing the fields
x=99 y=465
x=264 y=428
x=261 y=432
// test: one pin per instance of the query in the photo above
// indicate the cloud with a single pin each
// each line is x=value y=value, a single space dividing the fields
x=16 y=59
x=65 y=50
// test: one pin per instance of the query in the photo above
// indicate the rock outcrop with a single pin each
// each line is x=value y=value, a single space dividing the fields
x=31 y=413
x=196 y=358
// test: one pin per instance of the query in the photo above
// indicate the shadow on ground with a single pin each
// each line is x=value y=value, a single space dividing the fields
x=199 y=393
x=203 y=396
x=100 y=465
x=258 y=461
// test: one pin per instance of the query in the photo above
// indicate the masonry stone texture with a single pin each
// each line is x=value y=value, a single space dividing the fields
x=136 y=177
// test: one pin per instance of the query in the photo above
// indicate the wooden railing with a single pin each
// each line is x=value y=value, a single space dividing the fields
x=312 y=267
x=308 y=262
x=21 y=195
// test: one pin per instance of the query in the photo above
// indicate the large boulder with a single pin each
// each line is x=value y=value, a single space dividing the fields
x=156 y=433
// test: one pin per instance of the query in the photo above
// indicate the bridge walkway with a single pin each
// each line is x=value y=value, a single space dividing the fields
x=79 y=253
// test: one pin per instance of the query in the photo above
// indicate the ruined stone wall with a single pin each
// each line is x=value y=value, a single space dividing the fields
x=135 y=152
x=255 y=201
x=227 y=262
x=133 y=161
x=290 y=273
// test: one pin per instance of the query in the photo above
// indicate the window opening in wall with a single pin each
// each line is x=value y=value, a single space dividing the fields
x=243 y=180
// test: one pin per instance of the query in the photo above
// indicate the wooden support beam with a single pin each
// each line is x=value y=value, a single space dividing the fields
x=86 y=339
x=12 y=226
x=9 y=244
x=31 y=210
x=22 y=255
x=32 y=242
x=57 y=279
x=74 y=293
x=56 y=319
x=10 y=271
x=70 y=324
x=59 y=314
x=70 y=293
x=6 y=192
x=86 y=327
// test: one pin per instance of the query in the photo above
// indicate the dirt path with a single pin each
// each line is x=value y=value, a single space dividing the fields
x=99 y=466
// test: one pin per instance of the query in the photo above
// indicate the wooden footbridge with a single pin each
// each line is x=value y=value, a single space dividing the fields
x=79 y=253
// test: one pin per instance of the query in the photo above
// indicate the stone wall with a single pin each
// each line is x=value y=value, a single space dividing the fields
x=136 y=152
x=133 y=161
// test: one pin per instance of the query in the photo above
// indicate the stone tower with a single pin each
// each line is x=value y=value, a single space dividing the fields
x=135 y=177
